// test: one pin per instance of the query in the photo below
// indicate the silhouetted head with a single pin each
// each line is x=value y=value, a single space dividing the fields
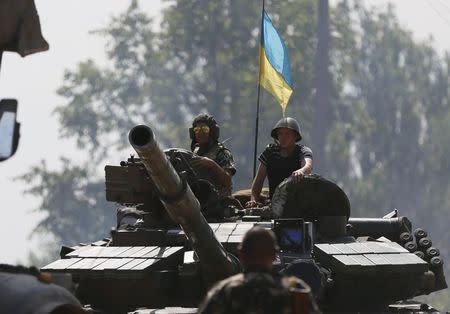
x=258 y=249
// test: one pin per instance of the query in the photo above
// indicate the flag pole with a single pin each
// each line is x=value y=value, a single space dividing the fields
x=259 y=92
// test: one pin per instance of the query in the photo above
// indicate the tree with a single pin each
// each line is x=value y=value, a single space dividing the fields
x=390 y=117
x=74 y=203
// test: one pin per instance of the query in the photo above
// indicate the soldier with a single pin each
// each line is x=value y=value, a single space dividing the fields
x=210 y=154
x=26 y=290
x=282 y=159
x=258 y=289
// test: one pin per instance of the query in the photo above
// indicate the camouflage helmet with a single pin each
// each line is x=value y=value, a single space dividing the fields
x=289 y=123
x=259 y=241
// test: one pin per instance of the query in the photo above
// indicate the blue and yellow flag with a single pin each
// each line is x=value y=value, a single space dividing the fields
x=274 y=68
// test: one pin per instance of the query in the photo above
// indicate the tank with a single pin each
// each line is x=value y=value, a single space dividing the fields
x=175 y=238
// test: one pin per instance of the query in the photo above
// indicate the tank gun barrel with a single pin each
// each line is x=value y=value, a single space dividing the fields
x=183 y=207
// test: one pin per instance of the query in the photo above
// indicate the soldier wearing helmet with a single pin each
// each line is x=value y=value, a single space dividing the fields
x=282 y=159
x=210 y=154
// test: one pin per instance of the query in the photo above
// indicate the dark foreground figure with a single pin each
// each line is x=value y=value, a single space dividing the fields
x=26 y=291
x=259 y=289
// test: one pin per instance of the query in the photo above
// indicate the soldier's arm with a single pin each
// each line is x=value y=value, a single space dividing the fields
x=303 y=171
x=215 y=301
x=223 y=175
x=225 y=168
x=307 y=160
x=258 y=183
x=308 y=167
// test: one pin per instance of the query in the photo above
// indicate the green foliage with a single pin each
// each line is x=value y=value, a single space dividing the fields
x=47 y=253
x=386 y=100
x=74 y=205
x=393 y=100
x=102 y=103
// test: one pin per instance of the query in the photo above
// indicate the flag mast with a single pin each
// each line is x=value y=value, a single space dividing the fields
x=259 y=92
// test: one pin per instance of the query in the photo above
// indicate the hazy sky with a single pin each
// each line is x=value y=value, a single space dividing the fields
x=33 y=81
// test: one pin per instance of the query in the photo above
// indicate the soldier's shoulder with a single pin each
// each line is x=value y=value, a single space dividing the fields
x=292 y=282
x=232 y=281
x=302 y=146
x=304 y=149
x=219 y=297
x=224 y=286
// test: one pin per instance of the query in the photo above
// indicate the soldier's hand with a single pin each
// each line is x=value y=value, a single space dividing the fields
x=297 y=175
x=252 y=203
x=202 y=162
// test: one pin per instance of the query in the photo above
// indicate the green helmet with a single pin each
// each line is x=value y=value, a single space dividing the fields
x=289 y=123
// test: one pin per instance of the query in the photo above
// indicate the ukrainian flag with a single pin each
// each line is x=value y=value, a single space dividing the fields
x=274 y=68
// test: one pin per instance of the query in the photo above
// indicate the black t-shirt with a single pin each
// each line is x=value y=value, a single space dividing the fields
x=279 y=167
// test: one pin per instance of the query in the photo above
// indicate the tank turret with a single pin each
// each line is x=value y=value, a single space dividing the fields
x=182 y=206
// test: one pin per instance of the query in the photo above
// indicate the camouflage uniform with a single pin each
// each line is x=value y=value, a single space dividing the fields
x=223 y=157
x=251 y=292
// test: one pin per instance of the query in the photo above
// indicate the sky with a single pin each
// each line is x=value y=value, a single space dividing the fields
x=34 y=80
